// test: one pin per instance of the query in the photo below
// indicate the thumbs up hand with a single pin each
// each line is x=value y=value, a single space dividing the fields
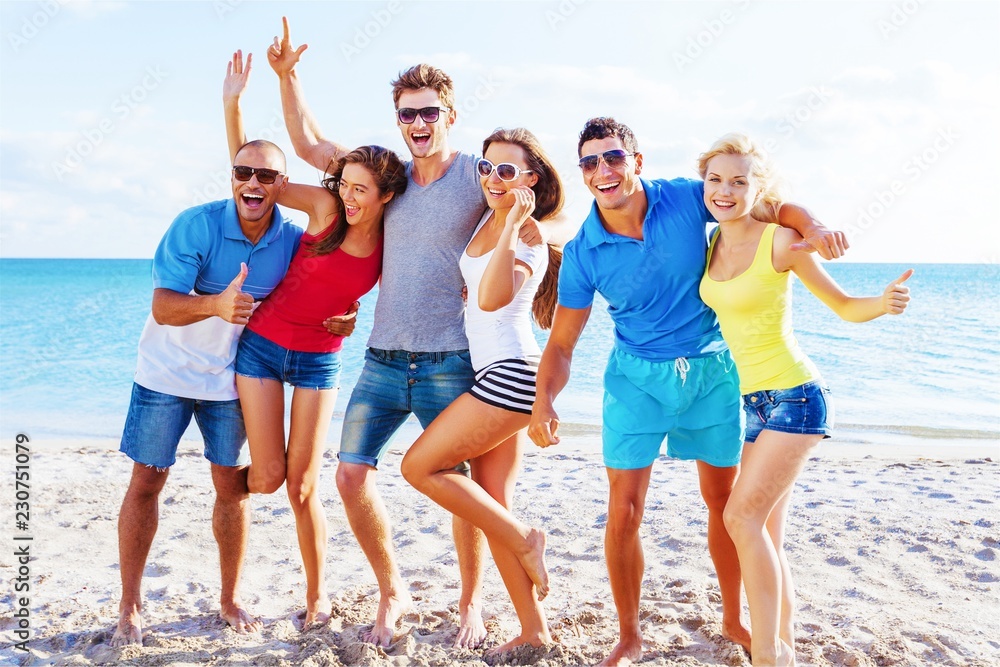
x=896 y=295
x=233 y=304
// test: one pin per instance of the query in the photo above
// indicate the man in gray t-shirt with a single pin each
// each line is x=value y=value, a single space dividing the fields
x=418 y=358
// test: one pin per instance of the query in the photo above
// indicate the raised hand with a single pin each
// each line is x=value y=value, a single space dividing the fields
x=281 y=56
x=233 y=304
x=897 y=295
x=237 y=77
x=343 y=325
x=524 y=204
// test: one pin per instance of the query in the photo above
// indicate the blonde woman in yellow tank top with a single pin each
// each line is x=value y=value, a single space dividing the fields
x=747 y=283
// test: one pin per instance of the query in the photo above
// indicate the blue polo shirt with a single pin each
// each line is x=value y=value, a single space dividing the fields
x=651 y=285
x=201 y=253
x=203 y=248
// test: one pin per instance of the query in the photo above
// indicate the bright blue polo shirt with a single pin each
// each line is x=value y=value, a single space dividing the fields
x=204 y=246
x=651 y=285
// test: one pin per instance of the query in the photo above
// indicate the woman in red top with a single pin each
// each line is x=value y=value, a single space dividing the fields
x=338 y=261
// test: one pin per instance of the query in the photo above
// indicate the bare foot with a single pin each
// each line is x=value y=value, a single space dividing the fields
x=786 y=655
x=471 y=629
x=390 y=610
x=317 y=613
x=738 y=634
x=624 y=653
x=129 y=630
x=533 y=562
x=520 y=640
x=240 y=619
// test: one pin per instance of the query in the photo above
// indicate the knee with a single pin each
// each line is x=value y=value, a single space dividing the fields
x=230 y=484
x=413 y=472
x=300 y=492
x=740 y=524
x=624 y=520
x=716 y=498
x=351 y=480
x=146 y=482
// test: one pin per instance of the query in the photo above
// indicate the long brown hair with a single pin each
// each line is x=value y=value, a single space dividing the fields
x=549 y=199
x=386 y=169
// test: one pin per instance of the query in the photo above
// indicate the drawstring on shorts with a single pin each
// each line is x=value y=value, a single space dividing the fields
x=681 y=367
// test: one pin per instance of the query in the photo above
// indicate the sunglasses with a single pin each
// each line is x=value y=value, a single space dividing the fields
x=613 y=159
x=264 y=176
x=505 y=170
x=407 y=115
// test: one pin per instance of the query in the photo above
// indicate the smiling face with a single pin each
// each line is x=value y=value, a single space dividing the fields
x=363 y=203
x=422 y=138
x=255 y=200
x=730 y=190
x=612 y=187
x=497 y=191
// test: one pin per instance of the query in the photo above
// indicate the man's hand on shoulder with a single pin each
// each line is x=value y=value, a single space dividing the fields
x=828 y=243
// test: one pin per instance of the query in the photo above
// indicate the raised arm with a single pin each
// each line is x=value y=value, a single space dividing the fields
x=318 y=202
x=303 y=130
x=815 y=236
x=237 y=77
x=553 y=373
x=892 y=301
x=504 y=275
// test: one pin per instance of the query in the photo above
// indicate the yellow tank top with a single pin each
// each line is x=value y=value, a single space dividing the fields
x=755 y=315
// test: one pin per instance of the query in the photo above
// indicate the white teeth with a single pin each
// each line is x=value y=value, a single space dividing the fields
x=496 y=192
x=252 y=196
x=608 y=186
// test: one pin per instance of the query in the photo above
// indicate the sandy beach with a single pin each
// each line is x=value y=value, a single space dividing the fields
x=894 y=553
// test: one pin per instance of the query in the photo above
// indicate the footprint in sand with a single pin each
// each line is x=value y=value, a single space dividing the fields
x=838 y=560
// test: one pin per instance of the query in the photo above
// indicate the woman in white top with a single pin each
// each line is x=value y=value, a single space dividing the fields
x=507 y=282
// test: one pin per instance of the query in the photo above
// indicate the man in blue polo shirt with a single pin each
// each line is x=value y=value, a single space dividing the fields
x=669 y=375
x=212 y=264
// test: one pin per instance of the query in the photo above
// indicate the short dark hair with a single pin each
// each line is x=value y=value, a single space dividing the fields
x=265 y=146
x=605 y=127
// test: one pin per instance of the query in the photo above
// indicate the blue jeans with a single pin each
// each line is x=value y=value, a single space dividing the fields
x=805 y=410
x=156 y=422
x=262 y=359
x=393 y=384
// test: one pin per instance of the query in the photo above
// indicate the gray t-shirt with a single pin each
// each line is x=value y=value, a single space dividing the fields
x=420 y=307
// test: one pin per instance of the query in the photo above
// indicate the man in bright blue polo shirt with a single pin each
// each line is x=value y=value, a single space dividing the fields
x=669 y=375
x=213 y=262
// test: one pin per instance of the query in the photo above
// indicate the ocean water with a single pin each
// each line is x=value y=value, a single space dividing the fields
x=69 y=329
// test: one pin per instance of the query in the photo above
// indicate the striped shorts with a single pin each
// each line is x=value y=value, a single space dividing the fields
x=508 y=384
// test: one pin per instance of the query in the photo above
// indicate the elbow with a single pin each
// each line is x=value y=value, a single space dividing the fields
x=490 y=305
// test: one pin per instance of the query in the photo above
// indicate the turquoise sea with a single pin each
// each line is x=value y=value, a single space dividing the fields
x=69 y=328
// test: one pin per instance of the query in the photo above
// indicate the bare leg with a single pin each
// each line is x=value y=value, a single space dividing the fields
x=466 y=429
x=470 y=543
x=786 y=623
x=716 y=485
x=312 y=410
x=370 y=522
x=770 y=467
x=623 y=553
x=230 y=524
x=263 y=403
x=496 y=471
x=137 y=523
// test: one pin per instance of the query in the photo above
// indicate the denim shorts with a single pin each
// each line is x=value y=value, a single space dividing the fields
x=259 y=358
x=156 y=422
x=393 y=384
x=806 y=409
x=693 y=403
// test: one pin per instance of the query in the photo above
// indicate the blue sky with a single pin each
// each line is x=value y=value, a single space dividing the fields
x=881 y=116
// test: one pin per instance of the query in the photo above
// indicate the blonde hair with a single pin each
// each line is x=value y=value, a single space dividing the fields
x=769 y=196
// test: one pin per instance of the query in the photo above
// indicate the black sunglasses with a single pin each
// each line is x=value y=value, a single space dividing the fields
x=505 y=170
x=264 y=176
x=613 y=159
x=407 y=115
